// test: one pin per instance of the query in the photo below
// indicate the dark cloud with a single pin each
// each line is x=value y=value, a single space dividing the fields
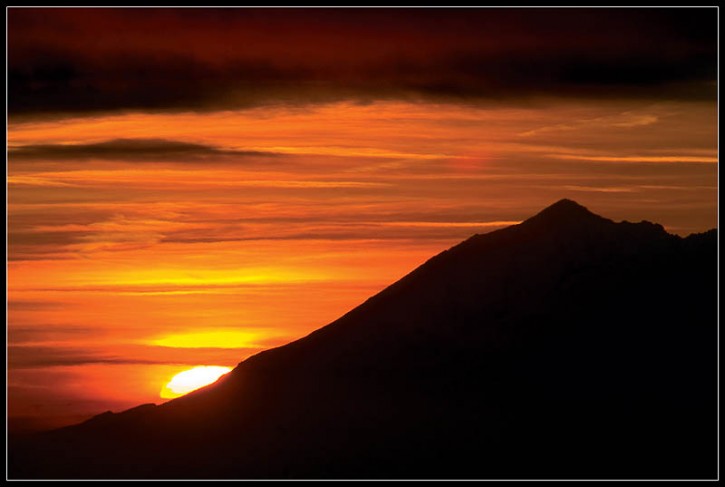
x=43 y=245
x=86 y=60
x=41 y=356
x=30 y=305
x=128 y=150
x=26 y=336
x=33 y=356
x=340 y=232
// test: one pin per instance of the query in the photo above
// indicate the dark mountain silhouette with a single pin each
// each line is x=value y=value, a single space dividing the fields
x=568 y=346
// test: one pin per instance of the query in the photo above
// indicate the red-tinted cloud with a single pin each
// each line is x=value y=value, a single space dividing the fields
x=77 y=60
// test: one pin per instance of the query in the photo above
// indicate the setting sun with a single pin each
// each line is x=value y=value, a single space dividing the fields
x=192 y=379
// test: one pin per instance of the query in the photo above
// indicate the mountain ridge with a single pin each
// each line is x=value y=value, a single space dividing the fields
x=493 y=338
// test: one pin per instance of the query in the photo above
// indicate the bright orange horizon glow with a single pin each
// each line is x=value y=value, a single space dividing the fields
x=192 y=379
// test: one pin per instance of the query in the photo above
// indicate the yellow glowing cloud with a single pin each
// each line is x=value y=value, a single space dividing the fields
x=173 y=278
x=213 y=339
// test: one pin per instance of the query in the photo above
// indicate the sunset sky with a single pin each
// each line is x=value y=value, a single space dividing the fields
x=188 y=187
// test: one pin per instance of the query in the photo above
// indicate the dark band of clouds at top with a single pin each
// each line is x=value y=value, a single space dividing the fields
x=90 y=60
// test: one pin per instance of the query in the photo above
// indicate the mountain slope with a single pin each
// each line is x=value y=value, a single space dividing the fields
x=568 y=346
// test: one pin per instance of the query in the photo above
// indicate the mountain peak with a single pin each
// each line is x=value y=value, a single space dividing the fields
x=507 y=338
x=565 y=211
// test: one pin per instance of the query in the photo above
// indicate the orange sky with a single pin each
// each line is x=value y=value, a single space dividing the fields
x=145 y=241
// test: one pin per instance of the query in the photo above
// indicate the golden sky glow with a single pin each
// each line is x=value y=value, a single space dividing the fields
x=146 y=241
x=243 y=338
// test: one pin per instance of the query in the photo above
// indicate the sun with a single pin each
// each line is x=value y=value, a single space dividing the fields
x=192 y=379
